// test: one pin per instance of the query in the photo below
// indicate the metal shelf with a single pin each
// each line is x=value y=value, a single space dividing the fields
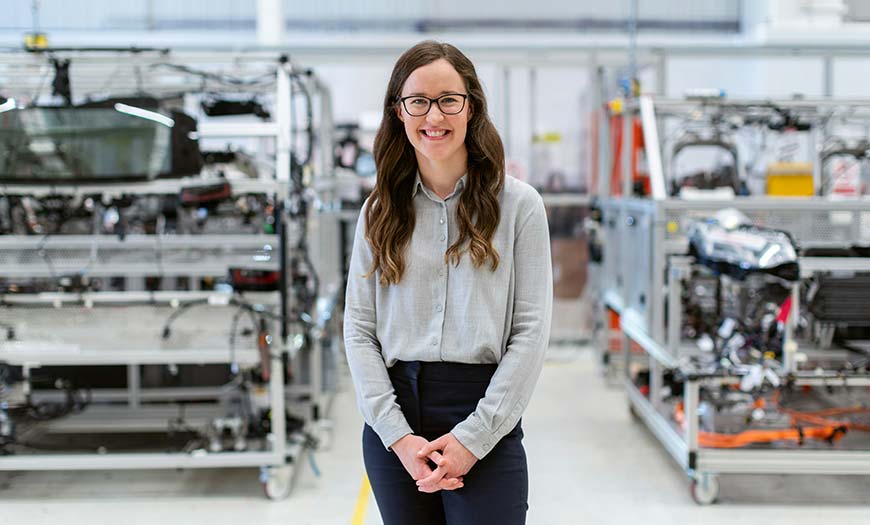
x=157 y=298
x=153 y=187
x=642 y=276
x=81 y=333
x=35 y=354
x=45 y=242
x=144 y=461
x=660 y=427
x=135 y=255
x=637 y=334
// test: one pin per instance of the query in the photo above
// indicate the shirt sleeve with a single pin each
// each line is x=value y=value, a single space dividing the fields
x=510 y=388
x=374 y=390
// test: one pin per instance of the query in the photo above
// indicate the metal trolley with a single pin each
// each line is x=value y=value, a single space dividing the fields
x=641 y=280
x=122 y=328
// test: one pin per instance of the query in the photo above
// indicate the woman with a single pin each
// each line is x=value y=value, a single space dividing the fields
x=448 y=303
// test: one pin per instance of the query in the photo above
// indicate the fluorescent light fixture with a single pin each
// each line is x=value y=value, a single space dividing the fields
x=8 y=105
x=144 y=113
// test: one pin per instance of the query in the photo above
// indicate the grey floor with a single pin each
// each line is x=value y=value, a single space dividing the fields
x=589 y=463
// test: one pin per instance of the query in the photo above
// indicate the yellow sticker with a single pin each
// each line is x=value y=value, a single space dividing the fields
x=36 y=41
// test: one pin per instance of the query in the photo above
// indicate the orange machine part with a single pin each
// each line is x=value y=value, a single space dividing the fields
x=637 y=149
x=797 y=434
x=615 y=335
x=824 y=417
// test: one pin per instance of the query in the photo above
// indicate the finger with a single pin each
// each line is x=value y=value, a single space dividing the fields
x=436 y=457
x=451 y=484
x=443 y=484
x=421 y=471
x=430 y=489
x=430 y=447
x=432 y=479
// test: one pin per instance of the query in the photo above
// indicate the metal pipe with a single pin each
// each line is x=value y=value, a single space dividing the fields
x=675 y=310
x=283 y=253
x=655 y=383
x=284 y=120
x=508 y=134
x=627 y=146
x=691 y=395
x=632 y=47
x=789 y=344
x=278 y=420
x=270 y=22
x=604 y=161
x=652 y=148
x=134 y=387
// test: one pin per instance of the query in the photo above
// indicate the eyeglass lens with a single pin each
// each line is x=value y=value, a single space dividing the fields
x=419 y=106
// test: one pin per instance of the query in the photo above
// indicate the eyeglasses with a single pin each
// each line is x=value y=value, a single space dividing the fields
x=449 y=104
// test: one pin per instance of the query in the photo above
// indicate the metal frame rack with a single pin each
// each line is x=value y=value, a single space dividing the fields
x=162 y=72
x=641 y=280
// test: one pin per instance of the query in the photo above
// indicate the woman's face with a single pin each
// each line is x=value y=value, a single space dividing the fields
x=437 y=136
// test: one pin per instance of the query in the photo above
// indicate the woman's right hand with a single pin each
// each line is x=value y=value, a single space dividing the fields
x=407 y=447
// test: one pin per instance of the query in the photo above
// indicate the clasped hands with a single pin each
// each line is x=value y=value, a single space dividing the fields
x=452 y=460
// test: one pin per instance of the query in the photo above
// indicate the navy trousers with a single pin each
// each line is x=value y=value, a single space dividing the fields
x=434 y=398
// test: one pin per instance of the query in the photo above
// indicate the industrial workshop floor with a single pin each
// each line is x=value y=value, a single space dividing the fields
x=589 y=464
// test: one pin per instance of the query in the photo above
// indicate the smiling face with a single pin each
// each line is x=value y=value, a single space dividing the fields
x=438 y=138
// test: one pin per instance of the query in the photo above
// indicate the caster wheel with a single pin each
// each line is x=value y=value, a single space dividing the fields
x=277 y=482
x=705 y=489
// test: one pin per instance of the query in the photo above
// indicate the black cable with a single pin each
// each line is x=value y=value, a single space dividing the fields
x=315 y=278
x=10 y=335
x=74 y=403
x=254 y=312
x=233 y=329
x=40 y=250
x=309 y=114
x=158 y=250
x=223 y=79
x=177 y=313
x=233 y=324
x=240 y=301
x=179 y=422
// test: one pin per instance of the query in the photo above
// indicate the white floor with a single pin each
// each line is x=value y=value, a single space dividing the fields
x=589 y=463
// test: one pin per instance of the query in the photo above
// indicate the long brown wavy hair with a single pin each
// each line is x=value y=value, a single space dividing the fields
x=390 y=216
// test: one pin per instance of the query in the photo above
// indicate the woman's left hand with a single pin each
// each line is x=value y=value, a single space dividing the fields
x=455 y=460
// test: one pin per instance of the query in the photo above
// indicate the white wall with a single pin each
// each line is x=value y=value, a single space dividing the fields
x=747 y=77
x=560 y=105
x=852 y=77
x=113 y=14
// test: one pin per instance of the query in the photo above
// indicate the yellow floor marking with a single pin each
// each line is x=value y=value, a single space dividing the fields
x=362 y=502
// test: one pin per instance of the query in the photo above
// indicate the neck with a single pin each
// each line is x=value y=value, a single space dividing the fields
x=441 y=177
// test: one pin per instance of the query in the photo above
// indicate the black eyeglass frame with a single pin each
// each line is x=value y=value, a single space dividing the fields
x=436 y=100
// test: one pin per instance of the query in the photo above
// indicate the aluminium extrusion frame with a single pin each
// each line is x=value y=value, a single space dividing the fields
x=275 y=457
x=278 y=462
x=104 y=255
x=704 y=464
x=641 y=288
